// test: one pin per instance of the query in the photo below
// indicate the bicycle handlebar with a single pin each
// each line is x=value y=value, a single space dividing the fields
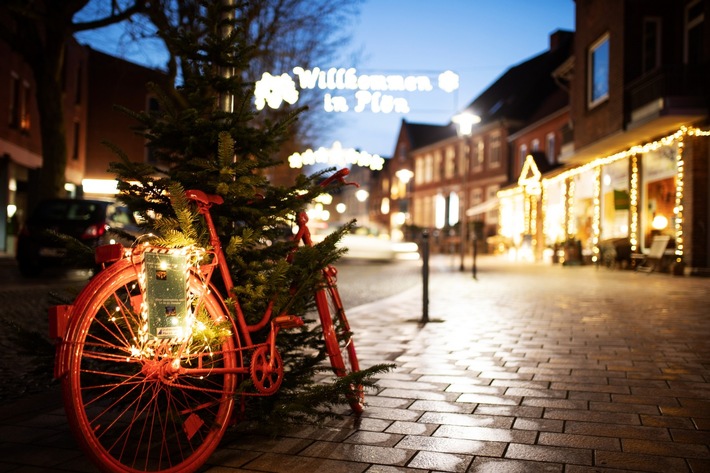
x=339 y=176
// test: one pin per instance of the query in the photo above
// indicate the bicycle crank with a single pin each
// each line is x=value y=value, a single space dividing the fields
x=267 y=372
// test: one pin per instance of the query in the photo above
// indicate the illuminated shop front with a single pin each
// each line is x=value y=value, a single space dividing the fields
x=615 y=200
x=632 y=196
x=659 y=182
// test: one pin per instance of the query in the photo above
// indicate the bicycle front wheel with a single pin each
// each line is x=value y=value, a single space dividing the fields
x=339 y=343
x=128 y=403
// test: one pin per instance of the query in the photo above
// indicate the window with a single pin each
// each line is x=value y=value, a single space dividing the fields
x=19 y=109
x=522 y=153
x=492 y=215
x=77 y=134
x=79 y=84
x=438 y=161
x=598 y=67
x=464 y=158
x=450 y=163
x=694 y=19
x=550 y=148
x=535 y=145
x=495 y=157
x=478 y=151
x=428 y=168
x=14 y=109
x=651 y=44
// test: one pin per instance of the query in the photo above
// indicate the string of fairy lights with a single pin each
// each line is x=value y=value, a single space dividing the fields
x=567 y=179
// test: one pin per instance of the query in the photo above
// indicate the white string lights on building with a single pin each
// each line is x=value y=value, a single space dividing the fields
x=633 y=203
x=596 y=216
x=596 y=165
x=678 y=209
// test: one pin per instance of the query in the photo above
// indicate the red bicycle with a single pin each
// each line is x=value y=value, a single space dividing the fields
x=151 y=361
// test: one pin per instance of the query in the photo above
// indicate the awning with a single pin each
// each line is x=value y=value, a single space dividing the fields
x=483 y=207
x=20 y=155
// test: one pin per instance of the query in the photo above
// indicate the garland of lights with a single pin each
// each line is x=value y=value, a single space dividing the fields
x=596 y=217
x=678 y=210
x=633 y=203
x=632 y=153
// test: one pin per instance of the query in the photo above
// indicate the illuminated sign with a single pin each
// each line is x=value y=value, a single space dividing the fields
x=366 y=92
x=337 y=156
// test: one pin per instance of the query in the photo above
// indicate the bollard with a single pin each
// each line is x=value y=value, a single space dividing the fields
x=425 y=277
x=474 y=256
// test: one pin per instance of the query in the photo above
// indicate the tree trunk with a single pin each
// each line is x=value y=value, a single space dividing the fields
x=54 y=147
x=50 y=98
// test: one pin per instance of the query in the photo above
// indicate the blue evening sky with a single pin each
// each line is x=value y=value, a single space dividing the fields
x=477 y=39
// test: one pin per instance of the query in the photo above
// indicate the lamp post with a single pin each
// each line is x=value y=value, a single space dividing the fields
x=464 y=125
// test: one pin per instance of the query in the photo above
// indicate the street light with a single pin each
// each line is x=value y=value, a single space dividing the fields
x=464 y=126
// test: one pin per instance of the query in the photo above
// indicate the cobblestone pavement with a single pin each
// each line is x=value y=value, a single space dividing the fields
x=529 y=368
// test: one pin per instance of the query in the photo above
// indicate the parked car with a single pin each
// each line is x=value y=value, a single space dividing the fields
x=365 y=243
x=91 y=221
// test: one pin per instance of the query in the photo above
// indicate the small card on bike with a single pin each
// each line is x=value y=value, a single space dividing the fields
x=166 y=294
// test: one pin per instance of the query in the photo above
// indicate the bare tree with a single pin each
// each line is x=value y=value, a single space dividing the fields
x=39 y=31
x=282 y=34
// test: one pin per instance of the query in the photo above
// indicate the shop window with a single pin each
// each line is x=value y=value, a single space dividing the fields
x=598 y=67
x=659 y=188
x=582 y=212
x=615 y=200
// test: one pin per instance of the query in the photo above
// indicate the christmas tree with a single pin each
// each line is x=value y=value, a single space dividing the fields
x=196 y=142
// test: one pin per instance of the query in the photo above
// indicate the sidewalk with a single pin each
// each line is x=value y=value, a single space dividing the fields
x=529 y=368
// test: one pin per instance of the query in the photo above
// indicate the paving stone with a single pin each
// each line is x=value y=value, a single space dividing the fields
x=492 y=465
x=446 y=445
x=437 y=461
x=636 y=462
x=303 y=464
x=359 y=453
x=412 y=428
x=529 y=369
x=486 y=433
x=575 y=456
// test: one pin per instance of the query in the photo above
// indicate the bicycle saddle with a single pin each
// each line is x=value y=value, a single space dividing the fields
x=203 y=198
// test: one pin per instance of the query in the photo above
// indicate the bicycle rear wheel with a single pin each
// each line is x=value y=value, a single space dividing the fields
x=126 y=403
x=338 y=338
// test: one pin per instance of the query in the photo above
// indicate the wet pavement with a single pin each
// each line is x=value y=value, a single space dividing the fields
x=529 y=368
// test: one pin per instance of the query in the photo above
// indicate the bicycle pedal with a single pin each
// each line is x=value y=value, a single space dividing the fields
x=288 y=321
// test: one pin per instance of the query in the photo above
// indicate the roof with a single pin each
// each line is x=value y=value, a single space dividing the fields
x=420 y=135
x=522 y=89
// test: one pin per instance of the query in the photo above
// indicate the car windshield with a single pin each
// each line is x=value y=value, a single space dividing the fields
x=67 y=210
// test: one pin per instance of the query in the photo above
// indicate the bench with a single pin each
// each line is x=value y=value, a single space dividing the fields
x=652 y=260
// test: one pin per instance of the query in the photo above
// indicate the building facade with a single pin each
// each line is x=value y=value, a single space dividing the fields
x=93 y=84
x=20 y=140
x=635 y=162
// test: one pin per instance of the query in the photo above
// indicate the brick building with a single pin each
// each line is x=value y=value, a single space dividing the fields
x=635 y=158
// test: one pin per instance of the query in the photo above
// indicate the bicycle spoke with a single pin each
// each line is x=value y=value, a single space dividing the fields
x=129 y=405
